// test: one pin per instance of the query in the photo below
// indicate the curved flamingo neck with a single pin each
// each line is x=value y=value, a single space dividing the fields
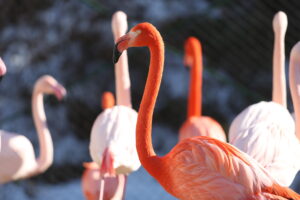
x=45 y=158
x=294 y=77
x=144 y=146
x=195 y=92
x=279 y=82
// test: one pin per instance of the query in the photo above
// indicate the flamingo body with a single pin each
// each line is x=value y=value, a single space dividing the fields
x=266 y=131
x=108 y=133
x=210 y=169
x=201 y=126
x=17 y=157
x=94 y=174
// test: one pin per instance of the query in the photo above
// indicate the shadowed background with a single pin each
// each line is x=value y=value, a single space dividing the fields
x=72 y=40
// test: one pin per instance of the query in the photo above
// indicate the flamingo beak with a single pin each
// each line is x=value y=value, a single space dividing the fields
x=116 y=54
x=123 y=43
x=60 y=92
x=120 y=46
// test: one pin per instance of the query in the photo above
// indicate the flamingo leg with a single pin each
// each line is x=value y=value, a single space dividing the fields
x=120 y=192
x=101 y=191
x=124 y=187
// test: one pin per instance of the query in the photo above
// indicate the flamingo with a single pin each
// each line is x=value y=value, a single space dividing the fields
x=2 y=73
x=112 y=143
x=200 y=167
x=114 y=185
x=266 y=130
x=196 y=124
x=17 y=155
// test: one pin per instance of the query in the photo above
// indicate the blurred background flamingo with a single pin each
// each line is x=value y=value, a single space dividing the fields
x=197 y=167
x=17 y=155
x=2 y=73
x=197 y=125
x=114 y=185
x=266 y=130
x=112 y=144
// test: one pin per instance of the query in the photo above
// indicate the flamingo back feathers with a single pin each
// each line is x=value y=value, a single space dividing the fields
x=211 y=169
x=202 y=126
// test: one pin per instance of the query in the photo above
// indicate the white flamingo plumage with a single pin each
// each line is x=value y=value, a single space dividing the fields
x=266 y=130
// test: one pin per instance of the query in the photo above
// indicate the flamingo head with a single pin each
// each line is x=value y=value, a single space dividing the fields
x=107 y=100
x=2 y=69
x=190 y=46
x=48 y=85
x=140 y=35
x=280 y=23
x=119 y=24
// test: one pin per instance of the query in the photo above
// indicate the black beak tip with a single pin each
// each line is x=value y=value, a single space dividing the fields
x=116 y=54
x=1 y=77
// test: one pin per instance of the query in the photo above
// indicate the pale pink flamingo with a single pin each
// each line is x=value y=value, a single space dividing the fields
x=196 y=124
x=17 y=155
x=2 y=73
x=114 y=185
x=112 y=144
x=197 y=168
x=266 y=130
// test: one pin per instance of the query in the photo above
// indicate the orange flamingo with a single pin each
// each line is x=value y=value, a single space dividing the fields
x=114 y=185
x=197 y=125
x=197 y=168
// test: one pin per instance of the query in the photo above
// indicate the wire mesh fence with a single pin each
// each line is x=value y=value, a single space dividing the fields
x=72 y=41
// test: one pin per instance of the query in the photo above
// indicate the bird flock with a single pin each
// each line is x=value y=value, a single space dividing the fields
x=258 y=163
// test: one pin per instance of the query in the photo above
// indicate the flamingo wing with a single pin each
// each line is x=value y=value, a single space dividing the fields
x=211 y=169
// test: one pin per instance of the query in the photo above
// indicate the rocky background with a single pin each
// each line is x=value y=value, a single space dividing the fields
x=72 y=41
